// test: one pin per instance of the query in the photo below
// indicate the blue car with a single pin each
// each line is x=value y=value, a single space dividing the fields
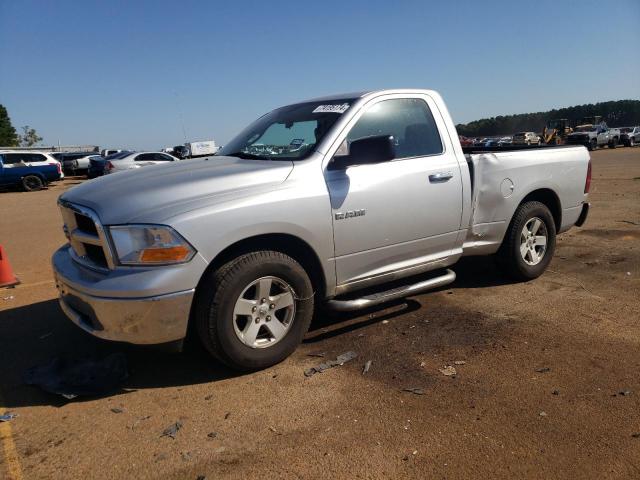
x=15 y=172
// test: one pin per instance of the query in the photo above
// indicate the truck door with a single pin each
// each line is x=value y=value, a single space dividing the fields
x=401 y=213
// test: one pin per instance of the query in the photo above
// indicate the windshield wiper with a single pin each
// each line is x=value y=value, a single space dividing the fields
x=246 y=156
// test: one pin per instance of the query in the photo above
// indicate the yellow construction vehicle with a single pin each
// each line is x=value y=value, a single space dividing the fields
x=556 y=131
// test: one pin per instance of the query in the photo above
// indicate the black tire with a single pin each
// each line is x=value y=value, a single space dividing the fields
x=613 y=143
x=510 y=257
x=593 y=144
x=631 y=142
x=216 y=298
x=31 y=183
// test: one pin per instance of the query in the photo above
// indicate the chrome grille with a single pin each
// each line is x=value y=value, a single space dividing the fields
x=89 y=244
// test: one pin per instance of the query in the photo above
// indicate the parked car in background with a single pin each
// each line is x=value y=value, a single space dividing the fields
x=106 y=152
x=136 y=160
x=504 y=141
x=594 y=136
x=526 y=138
x=465 y=141
x=68 y=160
x=202 y=149
x=31 y=159
x=630 y=136
x=15 y=171
x=97 y=164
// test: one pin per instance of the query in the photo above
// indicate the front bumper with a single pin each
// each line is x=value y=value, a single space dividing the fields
x=148 y=317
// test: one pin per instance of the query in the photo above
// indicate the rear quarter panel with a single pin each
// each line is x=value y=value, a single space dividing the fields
x=562 y=170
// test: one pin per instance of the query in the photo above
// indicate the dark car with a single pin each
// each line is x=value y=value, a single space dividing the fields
x=96 y=165
x=68 y=160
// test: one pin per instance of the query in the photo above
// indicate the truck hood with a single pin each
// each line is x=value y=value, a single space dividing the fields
x=161 y=191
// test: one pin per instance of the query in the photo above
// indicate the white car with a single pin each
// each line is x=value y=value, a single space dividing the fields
x=526 y=138
x=30 y=158
x=137 y=160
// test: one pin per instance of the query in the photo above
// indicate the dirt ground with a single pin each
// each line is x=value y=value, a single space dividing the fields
x=549 y=388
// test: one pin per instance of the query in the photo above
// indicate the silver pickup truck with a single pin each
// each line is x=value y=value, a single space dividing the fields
x=347 y=201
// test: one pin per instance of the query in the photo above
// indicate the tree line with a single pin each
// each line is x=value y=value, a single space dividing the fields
x=9 y=137
x=620 y=113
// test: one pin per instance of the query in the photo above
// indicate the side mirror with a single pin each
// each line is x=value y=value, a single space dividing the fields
x=367 y=150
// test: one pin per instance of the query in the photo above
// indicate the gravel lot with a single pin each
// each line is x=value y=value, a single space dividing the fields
x=549 y=388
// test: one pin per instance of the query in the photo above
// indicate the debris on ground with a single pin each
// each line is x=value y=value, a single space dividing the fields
x=172 y=430
x=135 y=424
x=117 y=410
x=384 y=322
x=320 y=355
x=273 y=429
x=543 y=370
x=208 y=397
x=415 y=391
x=10 y=297
x=448 y=371
x=339 y=361
x=7 y=416
x=543 y=414
x=460 y=362
x=72 y=377
x=555 y=392
x=366 y=367
x=635 y=435
x=227 y=415
x=423 y=364
x=212 y=434
x=623 y=393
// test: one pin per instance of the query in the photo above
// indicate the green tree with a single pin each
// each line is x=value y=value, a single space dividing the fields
x=8 y=136
x=29 y=137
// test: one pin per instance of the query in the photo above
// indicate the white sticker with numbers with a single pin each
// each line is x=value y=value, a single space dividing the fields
x=331 y=108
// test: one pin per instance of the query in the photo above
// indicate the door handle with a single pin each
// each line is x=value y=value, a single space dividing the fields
x=440 y=177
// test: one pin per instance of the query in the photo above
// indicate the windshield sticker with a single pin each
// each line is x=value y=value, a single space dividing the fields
x=331 y=108
x=296 y=142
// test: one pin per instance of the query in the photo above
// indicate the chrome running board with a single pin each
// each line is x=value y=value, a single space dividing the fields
x=393 y=294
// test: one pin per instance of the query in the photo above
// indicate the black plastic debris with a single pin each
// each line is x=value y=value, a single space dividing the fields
x=543 y=370
x=117 y=410
x=172 y=430
x=340 y=360
x=71 y=377
x=8 y=416
x=416 y=391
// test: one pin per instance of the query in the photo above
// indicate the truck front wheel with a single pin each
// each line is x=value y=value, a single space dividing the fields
x=529 y=243
x=253 y=312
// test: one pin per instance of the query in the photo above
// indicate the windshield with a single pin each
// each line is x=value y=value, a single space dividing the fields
x=287 y=133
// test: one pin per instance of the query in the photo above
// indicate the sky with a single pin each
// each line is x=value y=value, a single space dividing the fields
x=151 y=74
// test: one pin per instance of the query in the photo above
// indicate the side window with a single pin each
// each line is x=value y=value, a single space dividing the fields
x=33 y=157
x=144 y=157
x=11 y=158
x=410 y=122
x=161 y=157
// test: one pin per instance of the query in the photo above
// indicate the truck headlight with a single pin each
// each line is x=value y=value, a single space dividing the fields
x=150 y=245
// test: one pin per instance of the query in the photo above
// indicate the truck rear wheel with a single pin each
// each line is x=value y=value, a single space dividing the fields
x=529 y=243
x=31 y=183
x=253 y=312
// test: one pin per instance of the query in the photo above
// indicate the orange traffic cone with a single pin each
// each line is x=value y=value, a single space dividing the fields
x=7 y=278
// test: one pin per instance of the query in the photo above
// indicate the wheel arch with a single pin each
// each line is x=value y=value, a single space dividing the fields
x=285 y=243
x=550 y=199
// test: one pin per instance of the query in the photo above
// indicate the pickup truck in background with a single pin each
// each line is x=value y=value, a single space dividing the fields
x=31 y=176
x=594 y=136
x=356 y=200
